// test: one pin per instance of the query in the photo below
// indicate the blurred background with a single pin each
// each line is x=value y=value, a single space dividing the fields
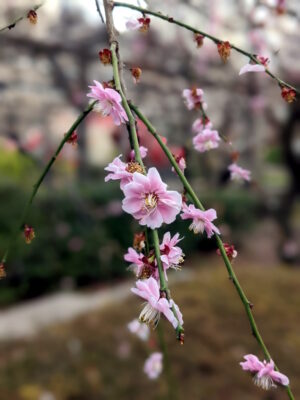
x=65 y=302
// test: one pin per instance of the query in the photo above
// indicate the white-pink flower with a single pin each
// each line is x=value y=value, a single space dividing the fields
x=171 y=255
x=136 y=259
x=238 y=173
x=201 y=219
x=198 y=125
x=148 y=200
x=206 y=140
x=148 y=290
x=153 y=365
x=252 y=68
x=109 y=102
x=193 y=98
x=264 y=372
x=143 y=152
x=139 y=329
x=118 y=171
x=133 y=24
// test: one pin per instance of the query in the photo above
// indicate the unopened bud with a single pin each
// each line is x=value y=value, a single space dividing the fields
x=181 y=338
x=230 y=251
x=198 y=38
x=224 y=49
x=105 y=56
x=32 y=16
x=29 y=234
x=136 y=73
x=289 y=95
x=73 y=139
x=145 y=24
x=139 y=241
x=2 y=271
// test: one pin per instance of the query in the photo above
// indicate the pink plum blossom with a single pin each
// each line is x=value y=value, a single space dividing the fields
x=133 y=24
x=109 y=102
x=139 y=329
x=206 y=140
x=149 y=201
x=143 y=152
x=252 y=68
x=136 y=259
x=171 y=255
x=148 y=289
x=201 y=219
x=198 y=125
x=264 y=372
x=153 y=365
x=118 y=171
x=193 y=98
x=238 y=173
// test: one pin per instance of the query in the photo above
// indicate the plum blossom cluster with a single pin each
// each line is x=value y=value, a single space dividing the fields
x=264 y=373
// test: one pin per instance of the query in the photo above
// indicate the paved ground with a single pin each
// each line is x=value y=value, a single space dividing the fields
x=29 y=318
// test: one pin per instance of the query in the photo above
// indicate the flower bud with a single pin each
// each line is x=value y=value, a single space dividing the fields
x=73 y=139
x=136 y=73
x=224 y=49
x=139 y=241
x=289 y=95
x=134 y=166
x=29 y=234
x=2 y=271
x=32 y=16
x=105 y=56
x=230 y=251
x=198 y=38
x=145 y=24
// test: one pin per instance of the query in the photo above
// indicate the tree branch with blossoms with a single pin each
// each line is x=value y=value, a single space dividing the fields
x=224 y=47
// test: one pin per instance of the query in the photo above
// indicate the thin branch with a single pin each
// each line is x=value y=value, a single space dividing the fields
x=216 y=40
x=99 y=11
x=227 y=263
x=13 y=23
x=37 y=185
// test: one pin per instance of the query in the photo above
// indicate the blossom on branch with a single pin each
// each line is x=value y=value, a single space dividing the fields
x=202 y=220
x=139 y=329
x=153 y=365
x=149 y=290
x=118 y=171
x=109 y=102
x=206 y=140
x=264 y=372
x=199 y=125
x=289 y=95
x=171 y=255
x=148 y=200
x=238 y=173
x=136 y=259
x=193 y=98
x=143 y=153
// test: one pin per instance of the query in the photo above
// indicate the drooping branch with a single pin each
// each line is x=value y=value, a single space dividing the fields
x=216 y=40
x=13 y=23
x=41 y=178
x=119 y=84
x=194 y=198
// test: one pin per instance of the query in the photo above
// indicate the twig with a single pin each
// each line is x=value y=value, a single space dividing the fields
x=99 y=11
x=216 y=40
x=36 y=186
x=228 y=265
x=13 y=23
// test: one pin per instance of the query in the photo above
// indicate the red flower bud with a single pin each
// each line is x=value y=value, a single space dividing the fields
x=73 y=139
x=289 y=95
x=29 y=234
x=139 y=241
x=230 y=251
x=224 y=49
x=136 y=73
x=105 y=56
x=2 y=271
x=145 y=24
x=32 y=16
x=198 y=38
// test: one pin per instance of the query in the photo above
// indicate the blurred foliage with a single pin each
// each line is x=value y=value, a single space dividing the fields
x=95 y=357
x=82 y=233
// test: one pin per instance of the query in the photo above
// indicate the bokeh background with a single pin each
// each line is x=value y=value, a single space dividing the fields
x=65 y=302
